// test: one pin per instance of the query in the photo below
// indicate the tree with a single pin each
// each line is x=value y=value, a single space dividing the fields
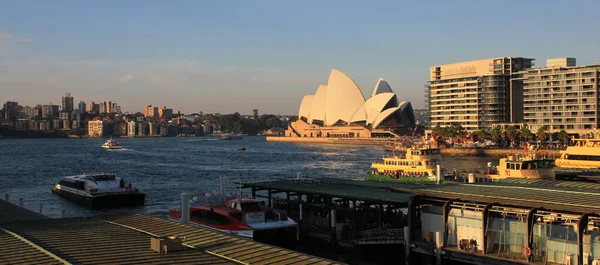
x=542 y=133
x=563 y=136
x=512 y=133
x=481 y=134
x=525 y=133
x=496 y=135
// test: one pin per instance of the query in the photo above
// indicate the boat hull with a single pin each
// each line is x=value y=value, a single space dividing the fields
x=403 y=180
x=104 y=201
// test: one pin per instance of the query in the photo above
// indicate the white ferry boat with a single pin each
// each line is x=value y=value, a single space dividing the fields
x=111 y=144
x=99 y=191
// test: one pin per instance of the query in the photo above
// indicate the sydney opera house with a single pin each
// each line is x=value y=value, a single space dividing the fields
x=339 y=109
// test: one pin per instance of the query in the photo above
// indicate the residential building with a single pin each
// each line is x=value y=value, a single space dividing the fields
x=96 y=128
x=131 y=128
x=67 y=103
x=153 y=127
x=120 y=128
x=22 y=124
x=66 y=125
x=44 y=125
x=49 y=111
x=562 y=96
x=56 y=124
x=63 y=115
x=165 y=113
x=94 y=108
x=29 y=112
x=142 y=128
x=10 y=110
x=476 y=94
x=114 y=108
x=82 y=107
x=150 y=111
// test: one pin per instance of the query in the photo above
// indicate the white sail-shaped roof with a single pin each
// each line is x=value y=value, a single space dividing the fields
x=406 y=114
x=343 y=98
x=306 y=106
x=359 y=115
x=382 y=116
x=318 y=105
x=374 y=106
x=382 y=86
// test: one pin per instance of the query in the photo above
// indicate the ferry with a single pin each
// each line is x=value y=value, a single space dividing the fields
x=231 y=136
x=584 y=154
x=247 y=218
x=417 y=166
x=111 y=144
x=99 y=191
x=529 y=165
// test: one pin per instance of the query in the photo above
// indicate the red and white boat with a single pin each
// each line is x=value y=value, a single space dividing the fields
x=243 y=217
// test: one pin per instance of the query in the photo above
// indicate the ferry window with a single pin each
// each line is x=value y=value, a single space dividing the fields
x=209 y=217
x=518 y=166
x=236 y=216
x=250 y=206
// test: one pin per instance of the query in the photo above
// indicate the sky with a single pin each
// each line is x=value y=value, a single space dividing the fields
x=234 y=56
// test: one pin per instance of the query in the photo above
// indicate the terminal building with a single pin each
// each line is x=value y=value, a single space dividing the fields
x=339 y=110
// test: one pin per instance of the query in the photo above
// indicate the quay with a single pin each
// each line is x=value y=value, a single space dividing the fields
x=513 y=221
x=331 y=140
x=27 y=237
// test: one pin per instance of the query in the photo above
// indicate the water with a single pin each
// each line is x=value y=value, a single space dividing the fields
x=165 y=167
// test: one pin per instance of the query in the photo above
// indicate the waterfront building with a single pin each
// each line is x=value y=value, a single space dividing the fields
x=561 y=96
x=28 y=112
x=339 y=109
x=120 y=128
x=76 y=124
x=49 y=111
x=66 y=125
x=142 y=128
x=131 y=128
x=81 y=107
x=150 y=111
x=476 y=94
x=96 y=128
x=44 y=125
x=56 y=124
x=165 y=113
x=67 y=103
x=22 y=124
x=63 y=115
x=153 y=128
x=34 y=125
x=10 y=110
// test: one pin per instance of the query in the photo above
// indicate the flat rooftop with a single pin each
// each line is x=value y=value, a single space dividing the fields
x=125 y=239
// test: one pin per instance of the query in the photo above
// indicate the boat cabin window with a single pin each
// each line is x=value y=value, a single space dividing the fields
x=582 y=157
x=518 y=166
x=252 y=206
x=80 y=185
x=209 y=217
x=236 y=215
x=101 y=177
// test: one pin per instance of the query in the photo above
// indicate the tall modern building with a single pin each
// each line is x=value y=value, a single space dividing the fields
x=476 y=94
x=165 y=113
x=10 y=110
x=94 y=108
x=82 y=107
x=150 y=111
x=67 y=103
x=49 y=111
x=562 y=96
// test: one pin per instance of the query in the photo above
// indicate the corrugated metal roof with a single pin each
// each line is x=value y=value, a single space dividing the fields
x=92 y=241
x=16 y=251
x=219 y=244
x=572 y=196
x=360 y=190
x=12 y=212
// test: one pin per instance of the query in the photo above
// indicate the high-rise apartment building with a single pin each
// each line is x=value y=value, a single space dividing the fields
x=49 y=111
x=94 y=108
x=562 y=96
x=82 y=107
x=150 y=111
x=165 y=113
x=10 y=110
x=96 y=128
x=67 y=103
x=476 y=94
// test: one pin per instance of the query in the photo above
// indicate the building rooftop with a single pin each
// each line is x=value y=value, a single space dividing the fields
x=339 y=188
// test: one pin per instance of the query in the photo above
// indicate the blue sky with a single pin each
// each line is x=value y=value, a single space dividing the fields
x=227 y=56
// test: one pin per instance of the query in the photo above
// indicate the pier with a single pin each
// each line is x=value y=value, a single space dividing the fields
x=513 y=221
x=27 y=237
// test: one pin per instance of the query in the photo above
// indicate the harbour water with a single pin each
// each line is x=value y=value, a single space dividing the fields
x=166 y=167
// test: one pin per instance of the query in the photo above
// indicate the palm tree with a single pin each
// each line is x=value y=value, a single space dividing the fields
x=525 y=133
x=542 y=133
x=512 y=133
x=496 y=135
x=563 y=136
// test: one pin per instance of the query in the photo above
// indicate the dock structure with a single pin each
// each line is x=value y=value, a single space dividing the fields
x=130 y=239
x=512 y=221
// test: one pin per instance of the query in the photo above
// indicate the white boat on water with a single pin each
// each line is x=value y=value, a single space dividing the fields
x=111 y=144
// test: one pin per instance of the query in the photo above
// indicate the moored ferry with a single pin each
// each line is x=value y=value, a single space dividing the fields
x=99 y=191
x=243 y=217
x=528 y=165
x=417 y=165
x=584 y=154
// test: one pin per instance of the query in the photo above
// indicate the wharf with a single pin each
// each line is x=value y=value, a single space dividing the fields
x=512 y=221
x=126 y=239
x=331 y=140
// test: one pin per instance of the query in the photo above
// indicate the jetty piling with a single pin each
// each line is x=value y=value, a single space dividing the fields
x=185 y=208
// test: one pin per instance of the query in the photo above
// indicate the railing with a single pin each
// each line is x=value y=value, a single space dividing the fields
x=373 y=236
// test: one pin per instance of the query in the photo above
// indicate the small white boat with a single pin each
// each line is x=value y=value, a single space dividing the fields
x=111 y=144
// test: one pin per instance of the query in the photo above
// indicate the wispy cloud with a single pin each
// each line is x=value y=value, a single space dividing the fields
x=126 y=77
x=9 y=40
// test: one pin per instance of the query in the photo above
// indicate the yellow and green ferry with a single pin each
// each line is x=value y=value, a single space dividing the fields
x=416 y=166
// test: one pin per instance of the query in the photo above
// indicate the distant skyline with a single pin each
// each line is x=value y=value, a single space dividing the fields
x=235 y=56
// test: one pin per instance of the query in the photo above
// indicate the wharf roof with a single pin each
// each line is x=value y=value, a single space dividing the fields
x=339 y=188
x=570 y=196
x=125 y=239
x=12 y=212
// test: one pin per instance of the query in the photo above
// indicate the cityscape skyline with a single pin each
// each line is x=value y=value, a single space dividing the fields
x=230 y=57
